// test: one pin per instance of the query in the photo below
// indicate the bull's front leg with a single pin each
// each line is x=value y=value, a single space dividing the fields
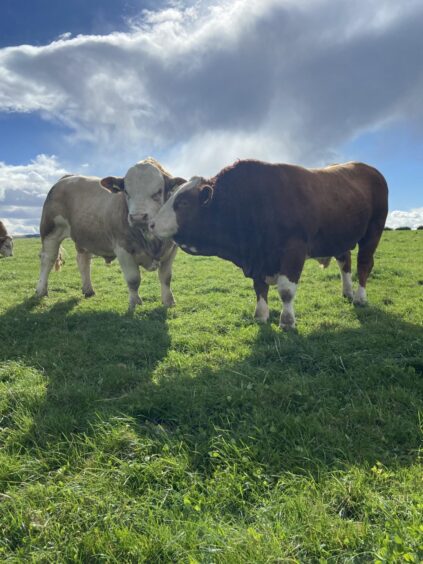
x=132 y=275
x=261 y=313
x=165 y=277
x=83 y=260
x=290 y=271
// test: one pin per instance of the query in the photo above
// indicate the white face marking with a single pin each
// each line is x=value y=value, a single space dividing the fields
x=144 y=187
x=165 y=223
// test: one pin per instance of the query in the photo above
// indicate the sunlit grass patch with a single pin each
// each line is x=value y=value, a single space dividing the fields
x=196 y=435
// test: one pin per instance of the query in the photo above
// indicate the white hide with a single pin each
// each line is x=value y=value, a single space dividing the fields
x=285 y=286
x=347 y=288
x=6 y=248
x=262 y=311
x=165 y=224
x=360 y=296
x=144 y=189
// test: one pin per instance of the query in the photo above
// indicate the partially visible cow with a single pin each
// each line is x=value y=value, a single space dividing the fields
x=268 y=218
x=6 y=242
x=109 y=217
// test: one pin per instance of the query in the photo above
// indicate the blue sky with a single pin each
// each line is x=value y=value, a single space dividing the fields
x=93 y=86
x=38 y=22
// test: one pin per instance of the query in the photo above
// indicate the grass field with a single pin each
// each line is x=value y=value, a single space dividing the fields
x=196 y=435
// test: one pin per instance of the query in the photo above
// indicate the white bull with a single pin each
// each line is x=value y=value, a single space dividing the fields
x=6 y=242
x=108 y=217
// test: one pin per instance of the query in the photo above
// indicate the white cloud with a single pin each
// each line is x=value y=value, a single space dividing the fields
x=23 y=189
x=199 y=84
x=412 y=218
x=309 y=73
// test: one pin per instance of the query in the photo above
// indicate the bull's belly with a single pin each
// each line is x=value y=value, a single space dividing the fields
x=335 y=240
x=331 y=250
x=91 y=242
x=324 y=262
x=334 y=244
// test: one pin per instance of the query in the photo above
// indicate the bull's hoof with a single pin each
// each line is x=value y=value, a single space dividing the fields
x=89 y=293
x=261 y=313
x=133 y=302
x=287 y=327
x=287 y=321
x=260 y=317
x=360 y=298
x=168 y=300
x=41 y=293
x=348 y=296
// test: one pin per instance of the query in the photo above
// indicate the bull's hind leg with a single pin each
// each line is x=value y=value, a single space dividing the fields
x=83 y=259
x=344 y=263
x=48 y=255
x=165 y=277
x=261 y=313
x=366 y=249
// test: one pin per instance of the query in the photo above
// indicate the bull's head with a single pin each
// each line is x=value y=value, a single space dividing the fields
x=6 y=246
x=184 y=211
x=146 y=187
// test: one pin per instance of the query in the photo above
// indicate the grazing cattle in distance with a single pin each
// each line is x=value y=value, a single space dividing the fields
x=268 y=218
x=6 y=242
x=109 y=218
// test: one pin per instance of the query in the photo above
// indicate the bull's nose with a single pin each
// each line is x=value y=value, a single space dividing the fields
x=138 y=217
x=151 y=225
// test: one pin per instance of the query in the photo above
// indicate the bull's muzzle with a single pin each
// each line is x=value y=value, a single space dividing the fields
x=138 y=218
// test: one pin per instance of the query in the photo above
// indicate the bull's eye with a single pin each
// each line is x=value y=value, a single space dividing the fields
x=157 y=197
x=181 y=204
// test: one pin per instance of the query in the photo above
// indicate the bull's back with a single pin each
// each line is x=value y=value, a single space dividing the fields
x=331 y=208
x=350 y=199
x=82 y=206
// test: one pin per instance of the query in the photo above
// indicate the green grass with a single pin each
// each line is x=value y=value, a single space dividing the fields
x=196 y=435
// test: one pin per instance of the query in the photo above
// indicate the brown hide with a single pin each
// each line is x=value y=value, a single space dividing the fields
x=267 y=218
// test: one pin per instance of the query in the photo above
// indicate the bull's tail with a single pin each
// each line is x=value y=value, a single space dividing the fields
x=60 y=261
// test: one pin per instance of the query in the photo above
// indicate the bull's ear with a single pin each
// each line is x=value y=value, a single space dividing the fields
x=206 y=195
x=171 y=184
x=113 y=183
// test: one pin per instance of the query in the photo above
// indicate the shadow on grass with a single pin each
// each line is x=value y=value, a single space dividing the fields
x=294 y=403
x=87 y=358
x=300 y=403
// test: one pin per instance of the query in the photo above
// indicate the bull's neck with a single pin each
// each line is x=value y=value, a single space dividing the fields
x=221 y=233
x=139 y=235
